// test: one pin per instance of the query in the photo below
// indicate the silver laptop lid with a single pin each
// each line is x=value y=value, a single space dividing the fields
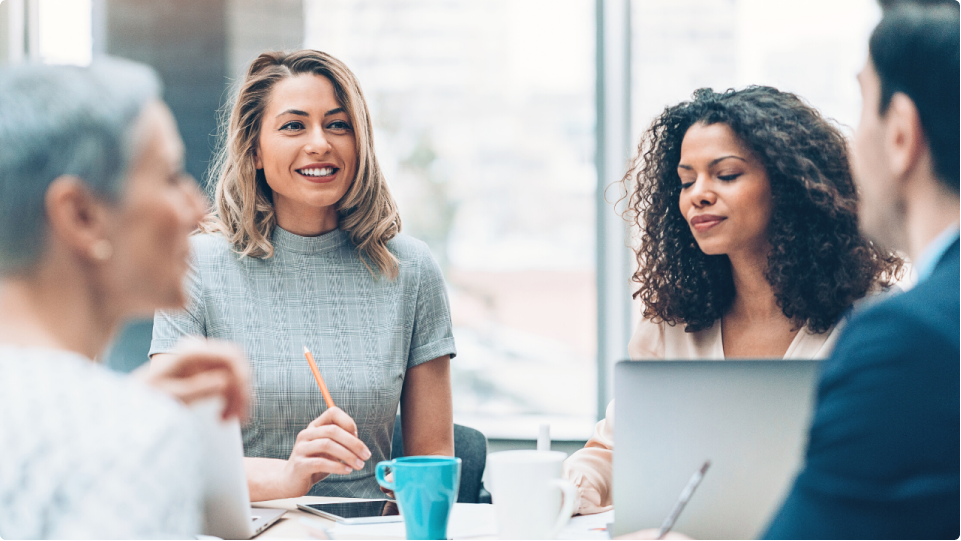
x=750 y=418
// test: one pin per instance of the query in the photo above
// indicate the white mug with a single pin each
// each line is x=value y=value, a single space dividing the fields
x=527 y=489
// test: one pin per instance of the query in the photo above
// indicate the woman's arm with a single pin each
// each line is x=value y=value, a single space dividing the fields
x=426 y=409
x=328 y=445
x=591 y=468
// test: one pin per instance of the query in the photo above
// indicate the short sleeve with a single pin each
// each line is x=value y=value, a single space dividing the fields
x=169 y=326
x=432 y=334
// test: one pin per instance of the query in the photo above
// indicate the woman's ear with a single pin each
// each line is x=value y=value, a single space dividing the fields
x=258 y=163
x=77 y=219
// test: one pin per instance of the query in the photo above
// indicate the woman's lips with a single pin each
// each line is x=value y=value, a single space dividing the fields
x=311 y=173
x=705 y=221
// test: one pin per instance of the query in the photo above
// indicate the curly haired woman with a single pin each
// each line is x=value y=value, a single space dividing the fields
x=750 y=244
x=304 y=249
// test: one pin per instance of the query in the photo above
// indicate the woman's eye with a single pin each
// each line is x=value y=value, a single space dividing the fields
x=686 y=185
x=338 y=125
x=293 y=125
x=729 y=178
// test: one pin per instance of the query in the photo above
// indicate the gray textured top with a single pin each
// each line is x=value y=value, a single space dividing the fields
x=364 y=333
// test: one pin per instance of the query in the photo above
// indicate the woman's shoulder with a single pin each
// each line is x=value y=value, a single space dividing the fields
x=412 y=254
x=406 y=247
x=210 y=245
x=647 y=342
x=661 y=340
x=109 y=397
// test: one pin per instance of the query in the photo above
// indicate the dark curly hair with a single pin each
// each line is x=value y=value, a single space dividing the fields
x=819 y=263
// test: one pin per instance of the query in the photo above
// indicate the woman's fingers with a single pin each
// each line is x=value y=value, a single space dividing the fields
x=198 y=386
x=333 y=449
x=318 y=464
x=335 y=416
x=200 y=369
x=352 y=445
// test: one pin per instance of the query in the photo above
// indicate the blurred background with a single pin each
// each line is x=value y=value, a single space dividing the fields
x=500 y=125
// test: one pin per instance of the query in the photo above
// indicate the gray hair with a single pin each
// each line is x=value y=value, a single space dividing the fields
x=63 y=120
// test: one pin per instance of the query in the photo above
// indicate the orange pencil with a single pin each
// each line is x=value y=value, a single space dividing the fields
x=320 y=380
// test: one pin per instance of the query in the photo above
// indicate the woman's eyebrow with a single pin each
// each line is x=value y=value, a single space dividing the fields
x=297 y=112
x=722 y=158
x=334 y=111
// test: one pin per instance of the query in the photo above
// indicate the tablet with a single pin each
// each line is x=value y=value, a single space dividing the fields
x=363 y=512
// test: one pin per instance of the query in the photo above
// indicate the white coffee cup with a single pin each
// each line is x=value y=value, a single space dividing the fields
x=527 y=489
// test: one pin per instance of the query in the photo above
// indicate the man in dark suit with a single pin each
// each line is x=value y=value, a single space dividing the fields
x=882 y=459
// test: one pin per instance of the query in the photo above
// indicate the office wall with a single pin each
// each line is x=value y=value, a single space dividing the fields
x=186 y=42
x=5 y=28
x=200 y=49
x=255 y=26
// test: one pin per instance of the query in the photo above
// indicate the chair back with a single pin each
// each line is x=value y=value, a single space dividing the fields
x=470 y=446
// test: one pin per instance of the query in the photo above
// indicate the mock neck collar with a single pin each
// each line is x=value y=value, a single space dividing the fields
x=286 y=241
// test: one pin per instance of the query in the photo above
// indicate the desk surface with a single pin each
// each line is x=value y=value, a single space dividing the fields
x=290 y=527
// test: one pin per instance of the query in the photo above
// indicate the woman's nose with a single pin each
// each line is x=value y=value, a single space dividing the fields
x=702 y=193
x=317 y=143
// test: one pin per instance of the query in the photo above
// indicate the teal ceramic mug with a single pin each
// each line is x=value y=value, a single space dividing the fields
x=426 y=488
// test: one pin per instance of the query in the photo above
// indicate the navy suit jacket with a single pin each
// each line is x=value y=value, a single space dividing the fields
x=883 y=453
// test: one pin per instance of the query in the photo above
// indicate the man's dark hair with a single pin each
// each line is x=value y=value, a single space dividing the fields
x=915 y=51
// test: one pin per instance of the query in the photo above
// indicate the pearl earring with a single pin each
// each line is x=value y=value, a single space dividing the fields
x=101 y=250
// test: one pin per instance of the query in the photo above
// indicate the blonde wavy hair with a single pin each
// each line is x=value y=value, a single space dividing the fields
x=243 y=205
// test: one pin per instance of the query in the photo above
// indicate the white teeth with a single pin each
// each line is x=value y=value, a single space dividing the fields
x=318 y=172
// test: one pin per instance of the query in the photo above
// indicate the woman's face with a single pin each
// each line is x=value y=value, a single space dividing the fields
x=307 y=148
x=725 y=192
x=158 y=209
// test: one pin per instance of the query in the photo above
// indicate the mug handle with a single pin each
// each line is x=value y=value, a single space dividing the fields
x=569 y=493
x=379 y=473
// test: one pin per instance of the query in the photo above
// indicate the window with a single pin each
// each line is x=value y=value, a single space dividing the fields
x=812 y=48
x=65 y=35
x=484 y=125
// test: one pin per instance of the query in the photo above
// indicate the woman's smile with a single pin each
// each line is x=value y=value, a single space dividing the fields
x=704 y=222
x=319 y=172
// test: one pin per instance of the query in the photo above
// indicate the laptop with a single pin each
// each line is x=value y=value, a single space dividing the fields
x=227 y=510
x=750 y=418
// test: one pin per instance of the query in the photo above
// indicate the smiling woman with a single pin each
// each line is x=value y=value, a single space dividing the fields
x=303 y=250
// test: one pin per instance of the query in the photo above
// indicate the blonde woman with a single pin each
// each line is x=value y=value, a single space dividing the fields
x=303 y=249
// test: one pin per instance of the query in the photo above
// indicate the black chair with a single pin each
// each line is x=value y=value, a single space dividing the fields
x=470 y=446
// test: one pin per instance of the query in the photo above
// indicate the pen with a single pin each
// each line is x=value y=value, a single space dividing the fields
x=320 y=380
x=682 y=500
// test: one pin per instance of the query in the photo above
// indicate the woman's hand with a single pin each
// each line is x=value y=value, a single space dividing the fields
x=328 y=445
x=199 y=369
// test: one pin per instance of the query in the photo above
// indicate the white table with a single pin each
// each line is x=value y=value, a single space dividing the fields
x=473 y=521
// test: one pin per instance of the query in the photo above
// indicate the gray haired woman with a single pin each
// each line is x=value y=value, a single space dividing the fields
x=95 y=211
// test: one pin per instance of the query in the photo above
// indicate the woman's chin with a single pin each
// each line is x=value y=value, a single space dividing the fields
x=711 y=248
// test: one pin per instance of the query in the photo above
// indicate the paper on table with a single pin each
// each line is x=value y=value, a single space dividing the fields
x=586 y=526
x=467 y=520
